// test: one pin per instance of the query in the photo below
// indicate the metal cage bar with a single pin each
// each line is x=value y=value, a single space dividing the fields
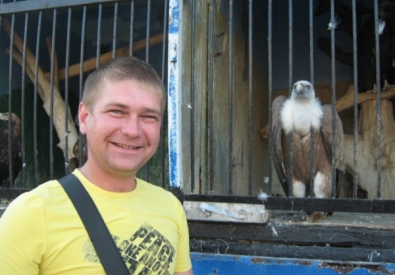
x=23 y=91
x=270 y=92
x=52 y=89
x=231 y=97
x=250 y=109
x=290 y=83
x=355 y=80
x=378 y=92
x=36 y=66
x=333 y=104
x=66 y=85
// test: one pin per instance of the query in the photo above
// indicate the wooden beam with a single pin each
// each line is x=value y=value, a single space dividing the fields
x=307 y=204
x=326 y=253
x=90 y=64
x=303 y=234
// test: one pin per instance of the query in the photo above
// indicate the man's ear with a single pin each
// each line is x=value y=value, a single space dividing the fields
x=83 y=116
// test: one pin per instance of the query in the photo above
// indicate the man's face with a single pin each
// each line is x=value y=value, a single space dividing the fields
x=123 y=127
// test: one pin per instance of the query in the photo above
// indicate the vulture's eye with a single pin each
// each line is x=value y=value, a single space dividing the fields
x=295 y=86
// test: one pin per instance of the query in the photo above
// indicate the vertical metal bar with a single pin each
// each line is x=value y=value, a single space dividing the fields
x=148 y=31
x=210 y=95
x=192 y=96
x=164 y=60
x=81 y=82
x=1 y=2
x=174 y=95
x=355 y=62
x=250 y=105
x=147 y=46
x=311 y=34
x=333 y=105
x=114 y=31
x=10 y=168
x=23 y=90
x=290 y=64
x=35 y=136
x=131 y=28
x=270 y=84
x=52 y=84
x=66 y=87
x=378 y=92
x=231 y=92
x=83 y=27
x=164 y=47
x=312 y=135
x=98 y=38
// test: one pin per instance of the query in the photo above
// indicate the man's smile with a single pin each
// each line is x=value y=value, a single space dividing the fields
x=126 y=147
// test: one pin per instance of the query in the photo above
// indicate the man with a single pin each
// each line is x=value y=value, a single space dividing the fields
x=120 y=114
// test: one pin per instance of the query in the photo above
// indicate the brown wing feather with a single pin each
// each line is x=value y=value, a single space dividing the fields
x=326 y=131
x=278 y=139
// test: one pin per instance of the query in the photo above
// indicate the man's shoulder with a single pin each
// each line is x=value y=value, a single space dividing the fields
x=34 y=201
x=42 y=192
x=144 y=185
x=48 y=188
x=156 y=190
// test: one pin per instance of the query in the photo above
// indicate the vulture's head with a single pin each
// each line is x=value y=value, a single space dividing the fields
x=303 y=91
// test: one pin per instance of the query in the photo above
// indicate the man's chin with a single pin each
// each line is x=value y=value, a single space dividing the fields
x=126 y=168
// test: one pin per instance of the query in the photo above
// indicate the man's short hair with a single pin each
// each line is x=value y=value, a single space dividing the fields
x=118 y=69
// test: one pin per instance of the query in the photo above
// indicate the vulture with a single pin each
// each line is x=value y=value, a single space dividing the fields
x=15 y=146
x=300 y=115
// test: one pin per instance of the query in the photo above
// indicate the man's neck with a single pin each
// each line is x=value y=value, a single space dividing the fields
x=109 y=181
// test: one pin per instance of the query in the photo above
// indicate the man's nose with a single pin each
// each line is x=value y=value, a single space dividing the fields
x=131 y=127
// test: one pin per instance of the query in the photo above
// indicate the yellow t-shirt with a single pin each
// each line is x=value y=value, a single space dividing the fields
x=41 y=232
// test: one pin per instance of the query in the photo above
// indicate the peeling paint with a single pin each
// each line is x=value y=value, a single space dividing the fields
x=174 y=95
x=205 y=263
x=306 y=263
x=258 y=260
x=347 y=268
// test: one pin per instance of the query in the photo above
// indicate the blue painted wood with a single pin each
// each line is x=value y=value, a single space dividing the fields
x=218 y=264
x=173 y=110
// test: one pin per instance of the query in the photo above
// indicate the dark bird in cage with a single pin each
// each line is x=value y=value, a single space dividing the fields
x=367 y=48
x=299 y=115
x=366 y=40
x=15 y=146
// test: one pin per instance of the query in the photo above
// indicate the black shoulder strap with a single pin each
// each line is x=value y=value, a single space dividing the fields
x=98 y=232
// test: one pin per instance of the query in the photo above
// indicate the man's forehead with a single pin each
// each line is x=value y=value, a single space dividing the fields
x=108 y=83
x=131 y=81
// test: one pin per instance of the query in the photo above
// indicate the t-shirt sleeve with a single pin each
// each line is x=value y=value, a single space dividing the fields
x=22 y=236
x=183 y=257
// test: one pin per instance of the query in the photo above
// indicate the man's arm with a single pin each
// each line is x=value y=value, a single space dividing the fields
x=189 y=272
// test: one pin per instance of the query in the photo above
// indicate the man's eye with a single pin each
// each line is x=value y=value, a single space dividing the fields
x=151 y=117
x=116 y=111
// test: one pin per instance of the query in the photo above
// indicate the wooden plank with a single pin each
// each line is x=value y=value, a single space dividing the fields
x=307 y=204
x=230 y=212
x=309 y=235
